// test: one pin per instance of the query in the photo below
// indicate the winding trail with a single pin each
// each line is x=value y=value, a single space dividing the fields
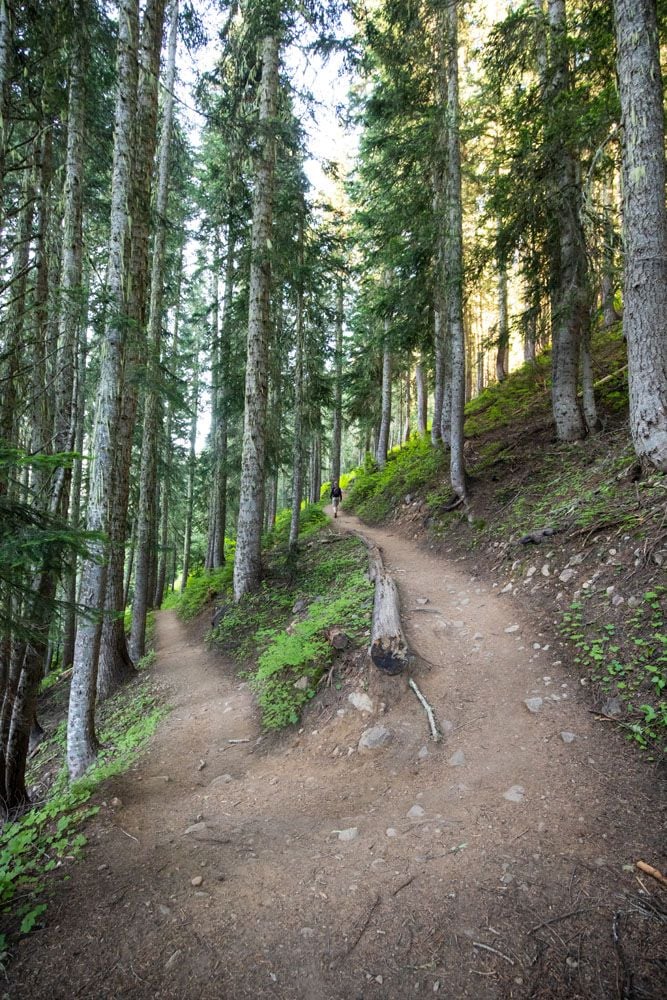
x=489 y=865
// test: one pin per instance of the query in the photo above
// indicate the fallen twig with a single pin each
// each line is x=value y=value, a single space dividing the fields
x=128 y=834
x=363 y=927
x=494 y=951
x=435 y=733
x=238 y=741
x=653 y=872
x=555 y=920
x=403 y=885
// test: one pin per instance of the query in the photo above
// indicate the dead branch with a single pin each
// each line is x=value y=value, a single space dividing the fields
x=435 y=733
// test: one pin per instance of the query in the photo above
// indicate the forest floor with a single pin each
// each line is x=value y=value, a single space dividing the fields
x=497 y=863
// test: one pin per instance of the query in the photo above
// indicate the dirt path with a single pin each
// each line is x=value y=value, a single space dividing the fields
x=490 y=865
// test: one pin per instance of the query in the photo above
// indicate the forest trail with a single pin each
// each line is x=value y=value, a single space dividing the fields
x=489 y=865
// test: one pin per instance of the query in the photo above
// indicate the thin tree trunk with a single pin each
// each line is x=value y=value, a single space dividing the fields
x=192 y=468
x=337 y=432
x=644 y=225
x=454 y=250
x=247 y=561
x=385 y=420
x=503 y=325
x=422 y=397
x=149 y=452
x=408 y=403
x=297 y=448
x=608 y=278
x=81 y=738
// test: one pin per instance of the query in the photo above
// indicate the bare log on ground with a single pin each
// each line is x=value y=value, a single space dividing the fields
x=388 y=649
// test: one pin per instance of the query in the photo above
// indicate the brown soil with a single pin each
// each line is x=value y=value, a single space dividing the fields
x=479 y=896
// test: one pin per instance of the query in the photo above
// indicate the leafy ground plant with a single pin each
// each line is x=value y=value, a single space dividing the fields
x=51 y=835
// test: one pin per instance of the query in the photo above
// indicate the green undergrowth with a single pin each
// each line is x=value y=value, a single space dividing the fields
x=285 y=652
x=49 y=837
x=201 y=590
x=628 y=663
x=413 y=468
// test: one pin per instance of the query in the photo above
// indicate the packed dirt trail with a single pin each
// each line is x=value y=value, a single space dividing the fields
x=496 y=863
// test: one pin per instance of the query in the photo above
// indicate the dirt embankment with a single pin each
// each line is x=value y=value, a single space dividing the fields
x=497 y=863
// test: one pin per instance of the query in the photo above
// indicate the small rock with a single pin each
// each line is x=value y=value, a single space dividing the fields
x=222 y=779
x=567 y=737
x=512 y=628
x=346 y=835
x=302 y=684
x=545 y=571
x=201 y=765
x=307 y=932
x=421 y=601
x=172 y=960
x=531 y=571
x=457 y=759
x=566 y=575
x=633 y=602
x=576 y=560
x=299 y=606
x=515 y=794
x=196 y=881
x=164 y=910
x=416 y=812
x=196 y=828
x=391 y=832
x=612 y=706
x=374 y=738
x=617 y=600
x=115 y=803
x=423 y=753
x=361 y=701
x=507 y=588
x=533 y=704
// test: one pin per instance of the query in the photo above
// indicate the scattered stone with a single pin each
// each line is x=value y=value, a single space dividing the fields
x=172 y=960
x=391 y=832
x=633 y=602
x=115 y=803
x=515 y=794
x=617 y=600
x=302 y=684
x=477 y=636
x=531 y=571
x=457 y=759
x=361 y=701
x=545 y=571
x=507 y=588
x=222 y=779
x=423 y=753
x=422 y=601
x=307 y=932
x=566 y=575
x=612 y=706
x=196 y=828
x=457 y=624
x=196 y=881
x=201 y=765
x=533 y=704
x=164 y=910
x=512 y=628
x=576 y=560
x=567 y=737
x=299 y=606
x=374 y=738
x=347 y=835
x=416 y=812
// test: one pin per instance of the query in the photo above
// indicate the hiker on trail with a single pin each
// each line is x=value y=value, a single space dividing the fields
x=336 y=497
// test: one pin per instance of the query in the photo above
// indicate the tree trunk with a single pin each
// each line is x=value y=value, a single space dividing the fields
x=297 y=448
x=644 y=225
x=408 y=403
x=385 y=422
x=608 y=278
x=502 y=349
x=569 y=296
x=192 y=468
x=81 y=738
x=337 y=432
x=149 y=451
x=247 y=561
x=453 y=253
x=422 y=397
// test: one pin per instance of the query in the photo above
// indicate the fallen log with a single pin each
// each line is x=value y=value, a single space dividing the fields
x=388 y=649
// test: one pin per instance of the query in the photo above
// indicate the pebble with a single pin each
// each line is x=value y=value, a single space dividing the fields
x=423 y=753
x=173 y=959
x=346 y=835
x=196 y=881
x=196 y=828
x=567 y=737
x=457 y=759
x=566 y=575
x=116 y=803
x=222 y=779
x=361 y=701
x=533 y=704
x=515 y=794
x=374 y=738
x=416 y=812
x=512 y=628
x=302 y=684
x=391 y=831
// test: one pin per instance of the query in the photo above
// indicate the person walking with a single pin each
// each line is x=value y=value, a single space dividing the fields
x=336 y=497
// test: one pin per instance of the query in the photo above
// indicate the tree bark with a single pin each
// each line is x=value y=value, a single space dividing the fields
x=81 y=738
x=385 y=421
x=149 y=453
x=422 y=397
x=337 y=432
x=297 y=447
x=644 y=225
x=247 y=561
x=192 y=469
x=502 y=349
